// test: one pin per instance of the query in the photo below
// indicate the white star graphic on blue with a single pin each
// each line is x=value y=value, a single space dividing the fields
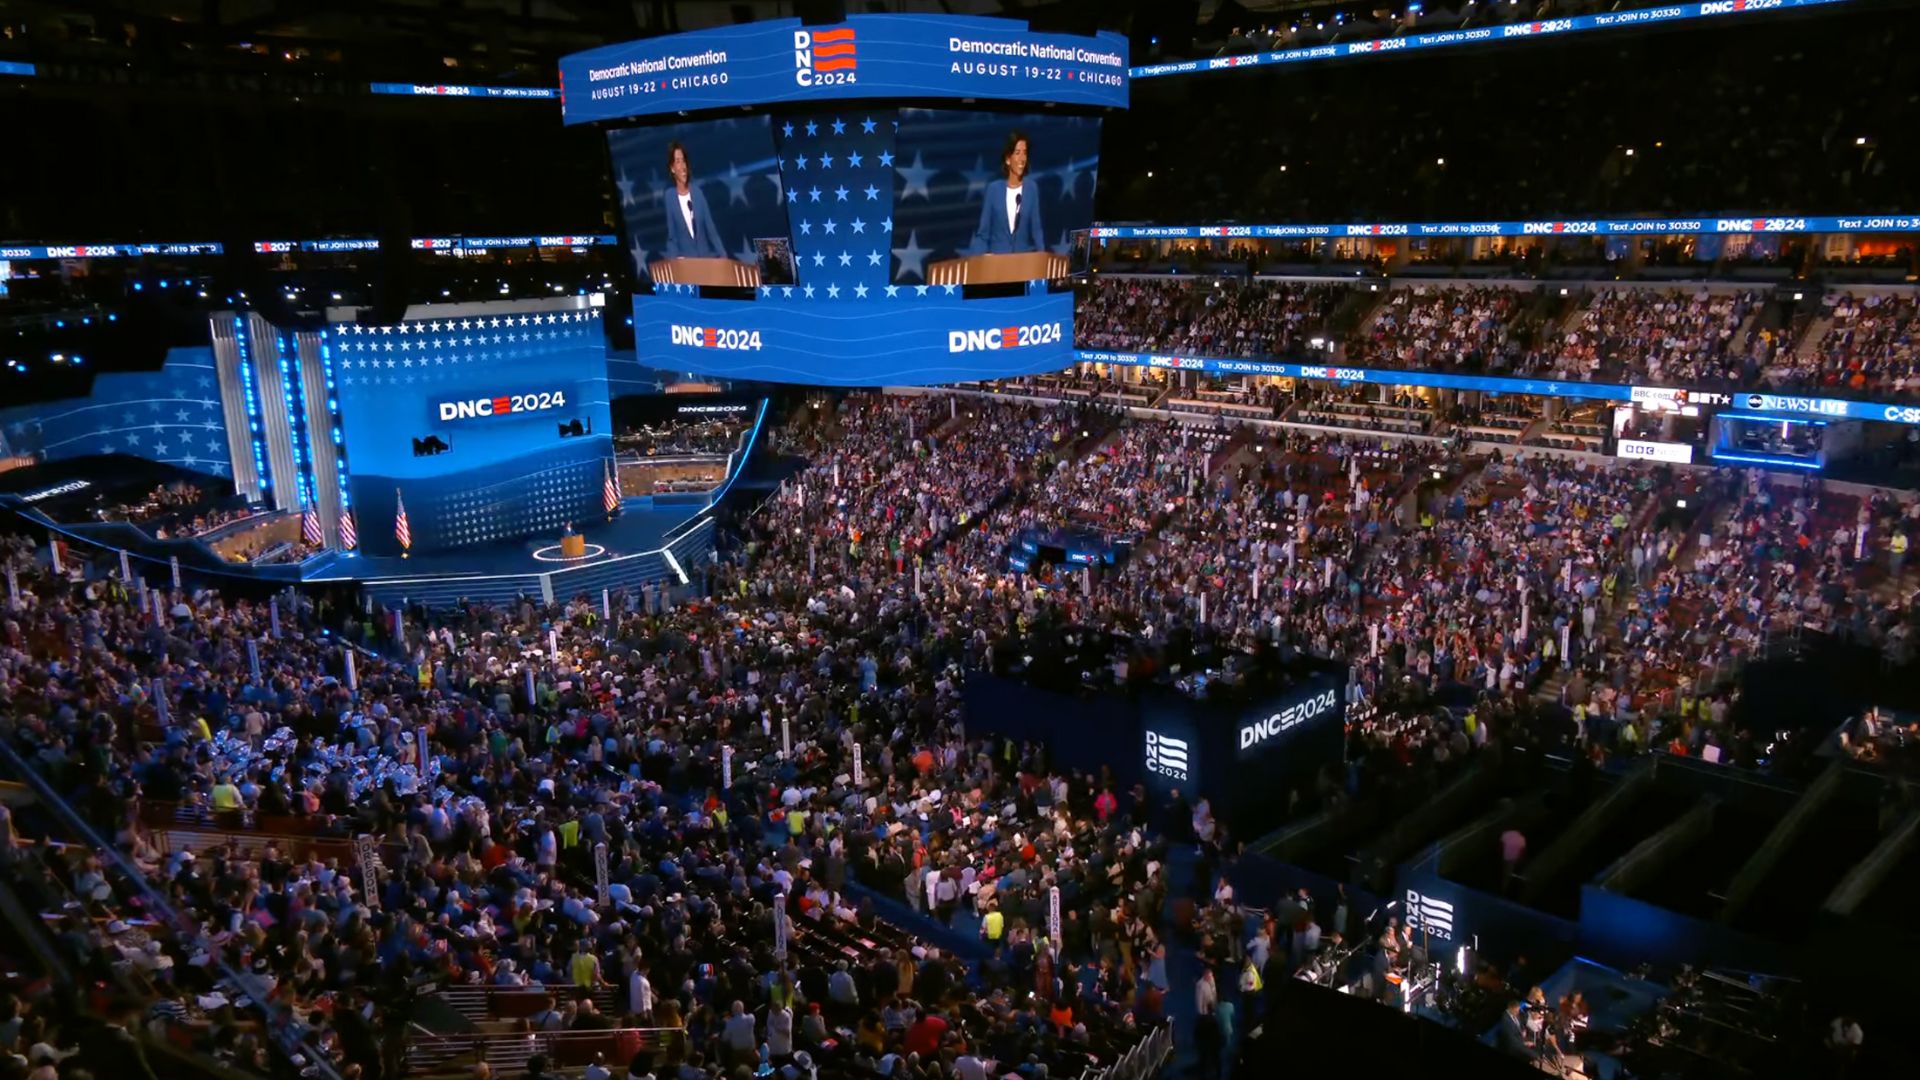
x=839 y=128
x=736 y=185
x=866 y=126
x=626 y=189
x=919 y=290
x=786 y=292
x=886 y=158
x=826 y=161
x=916 y=176
x=812 y=128
x=813 y=194
x=833 y=292
x=873 y=258
x=828 y=228
x=787 y=129
x=913 y=257
x=893 y=291
x=854 y=159
x=819 y=259
x=859 y=226
x=840 y=193
x=808 y=291
x=766 y=290
x=860 y=292
x=950 y=290
x=872 y=193
x=806 y=227
x=846 y=259
x=801 y=161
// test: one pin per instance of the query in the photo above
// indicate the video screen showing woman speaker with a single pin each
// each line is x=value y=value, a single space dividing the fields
x=701 y=202
x=984 y=198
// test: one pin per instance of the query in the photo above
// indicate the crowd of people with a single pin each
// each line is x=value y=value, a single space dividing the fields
x=720 y=435
x=1696 y=336
x=1204 y=317
x=1871 y=345
x=747 y=757
x=1479 y=328
x=1666 y=337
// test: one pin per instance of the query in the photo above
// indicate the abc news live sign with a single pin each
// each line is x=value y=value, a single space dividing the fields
x=866 y=56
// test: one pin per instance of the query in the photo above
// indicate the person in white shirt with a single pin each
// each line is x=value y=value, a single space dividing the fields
x=640 y=998
x=779 y=1031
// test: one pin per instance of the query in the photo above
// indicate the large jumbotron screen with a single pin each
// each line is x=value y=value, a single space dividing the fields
x=898 y=206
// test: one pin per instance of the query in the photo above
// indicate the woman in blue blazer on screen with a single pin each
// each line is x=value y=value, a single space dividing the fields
x=1010 y=217
x=690 y=230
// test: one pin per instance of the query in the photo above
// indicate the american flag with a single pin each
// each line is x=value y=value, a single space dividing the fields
x=611 y=491
x=349 y=539
x=401 y=530
x=310 y=525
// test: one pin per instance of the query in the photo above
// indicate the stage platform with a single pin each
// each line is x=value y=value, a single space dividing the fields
x=639 y=547
x=661 y=540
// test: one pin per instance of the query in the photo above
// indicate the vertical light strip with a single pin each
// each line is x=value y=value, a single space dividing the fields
x=333 y=414
x=292 y=397
x=253 y=405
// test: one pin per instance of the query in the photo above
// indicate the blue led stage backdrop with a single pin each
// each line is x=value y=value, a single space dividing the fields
x=491 y=420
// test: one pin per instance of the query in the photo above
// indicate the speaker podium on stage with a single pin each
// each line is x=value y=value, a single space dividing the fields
x=572 y=544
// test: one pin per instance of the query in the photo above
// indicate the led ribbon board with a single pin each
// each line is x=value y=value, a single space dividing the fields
x=1725 y=226
x=1526 y=31
x=1752 y=403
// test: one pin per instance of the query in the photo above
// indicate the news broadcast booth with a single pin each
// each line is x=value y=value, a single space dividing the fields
x=1245 y=749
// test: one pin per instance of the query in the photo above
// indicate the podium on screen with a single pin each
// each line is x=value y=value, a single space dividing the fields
x=998 y=269
x=692 y=270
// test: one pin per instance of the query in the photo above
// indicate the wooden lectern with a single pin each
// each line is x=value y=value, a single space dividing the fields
x=573 y=546
x=996 y=269
x=688 y=270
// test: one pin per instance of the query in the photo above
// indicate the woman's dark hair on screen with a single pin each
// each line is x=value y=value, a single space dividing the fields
x=1014 y=139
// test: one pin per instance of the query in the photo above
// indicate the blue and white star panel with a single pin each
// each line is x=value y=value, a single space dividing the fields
x=491 y=419
x=172 y=415
x=839 y=170
x=734 y=178
x=948 y=161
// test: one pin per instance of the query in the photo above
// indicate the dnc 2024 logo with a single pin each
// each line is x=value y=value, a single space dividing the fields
x=1166 y=757
x=825 y=57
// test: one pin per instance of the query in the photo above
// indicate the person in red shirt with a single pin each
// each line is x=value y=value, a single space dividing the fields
x=924 y=1036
